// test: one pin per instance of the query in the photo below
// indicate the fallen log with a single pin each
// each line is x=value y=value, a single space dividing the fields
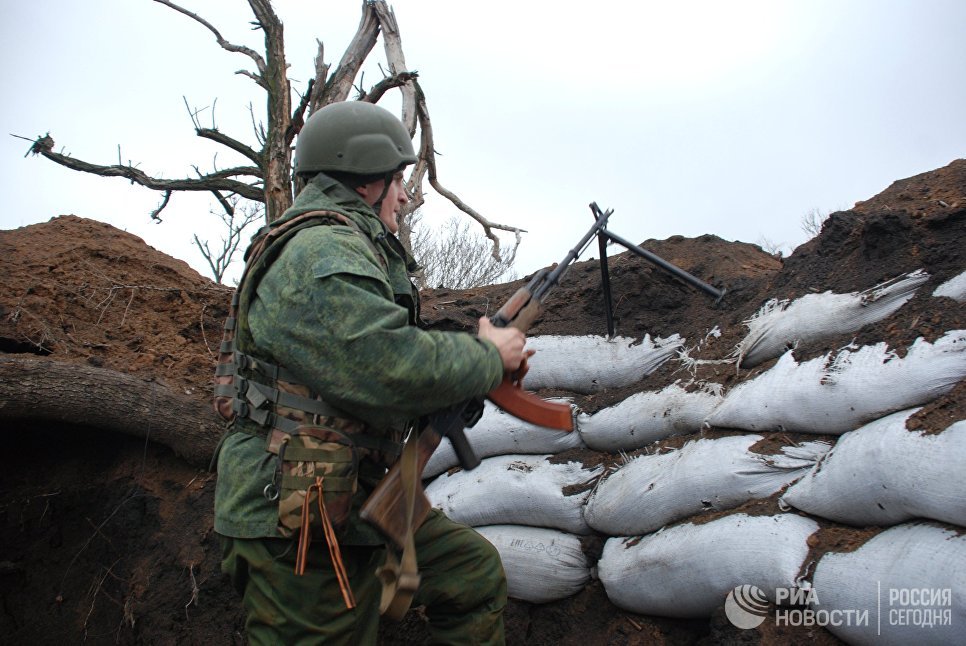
x=44 y=390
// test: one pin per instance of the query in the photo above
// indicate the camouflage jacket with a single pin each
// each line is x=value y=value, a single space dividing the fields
x=344 y=322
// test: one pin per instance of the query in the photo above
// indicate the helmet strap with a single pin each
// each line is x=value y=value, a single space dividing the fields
x=387 y=182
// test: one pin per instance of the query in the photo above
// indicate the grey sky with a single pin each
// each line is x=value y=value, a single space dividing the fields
x=731 y=118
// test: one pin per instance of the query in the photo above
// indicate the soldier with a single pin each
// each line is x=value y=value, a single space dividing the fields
x=330 y=371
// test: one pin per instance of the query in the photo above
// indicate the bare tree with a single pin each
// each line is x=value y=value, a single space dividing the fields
x=812 y=222
x=770 y=247
x=236 y=219
x=456 y=257
x=264 y=178
x=269 y=177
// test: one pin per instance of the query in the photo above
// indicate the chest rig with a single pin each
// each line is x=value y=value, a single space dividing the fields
x=318 y=446
x=249 y=387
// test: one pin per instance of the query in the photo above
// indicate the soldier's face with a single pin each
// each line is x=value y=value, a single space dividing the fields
x=394 y=200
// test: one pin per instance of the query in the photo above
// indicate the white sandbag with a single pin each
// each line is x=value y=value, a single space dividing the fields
x=499 y=433
x=883 y=474
x=646 y=417
x=541 y=564
x=589 y=364
x=838 y=393
x=515 y=490
x=954 y=288
x=651 y=491
x=781 y=324
x=688 y=570
x=911 y=582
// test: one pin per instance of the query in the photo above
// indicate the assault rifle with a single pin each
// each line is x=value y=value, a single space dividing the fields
x=398 y=504
x=393 y=507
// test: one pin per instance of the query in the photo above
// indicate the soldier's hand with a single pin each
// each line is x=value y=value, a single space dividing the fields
x=509 y=342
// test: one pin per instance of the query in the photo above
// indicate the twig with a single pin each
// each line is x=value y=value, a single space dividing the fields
x=204 y=337
x=127 y=616
x=156 y=213
x=46 y=505
x=97 y=530
x=129 y=301
x=194 y=590
x=125 y=500
x=106 y=303
x=252 y=54
x=94 y=592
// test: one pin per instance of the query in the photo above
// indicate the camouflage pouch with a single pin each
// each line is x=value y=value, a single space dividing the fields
x=313 y=458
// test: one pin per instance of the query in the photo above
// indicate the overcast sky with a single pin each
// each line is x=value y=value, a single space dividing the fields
x=686 y=118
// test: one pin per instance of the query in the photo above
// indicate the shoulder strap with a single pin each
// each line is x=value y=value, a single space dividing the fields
x=272 y=233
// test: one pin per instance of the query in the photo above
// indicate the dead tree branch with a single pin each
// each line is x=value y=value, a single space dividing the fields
x=397 y=62
x=379 y=90
x=225 y=203
x=298 y=117
x=156 y=213
x=225 y=140
x=271 y=176
x=277 y=153
x=251 y=53
x=218 y=181
x=321 y=73
x=219 y=262
x=428 y=153
x=339 y=85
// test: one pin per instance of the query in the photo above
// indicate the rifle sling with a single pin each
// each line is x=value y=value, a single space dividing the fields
x=400 y=579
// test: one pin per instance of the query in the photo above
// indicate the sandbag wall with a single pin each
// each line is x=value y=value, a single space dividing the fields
x=661 y=473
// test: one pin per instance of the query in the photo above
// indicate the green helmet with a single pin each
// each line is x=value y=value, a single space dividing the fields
x=353 y=137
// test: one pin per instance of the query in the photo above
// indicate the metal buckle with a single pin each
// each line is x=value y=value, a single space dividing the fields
x=271 y=492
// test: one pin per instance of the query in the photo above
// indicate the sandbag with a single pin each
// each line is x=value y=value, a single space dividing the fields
x=646 y=417
x=910 y=580
x=688 y=570
x=883 y=474
x=954 y=288
x=515 y=490
x=839 y=392
x=781 y=324
x=651 y=491
x=589 y=364
x=499 y=433
x=541 y=564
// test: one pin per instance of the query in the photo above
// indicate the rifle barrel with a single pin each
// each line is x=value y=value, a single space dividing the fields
x=554 y=277
x=665 y=265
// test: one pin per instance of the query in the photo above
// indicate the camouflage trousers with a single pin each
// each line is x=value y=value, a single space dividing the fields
x=463 y=588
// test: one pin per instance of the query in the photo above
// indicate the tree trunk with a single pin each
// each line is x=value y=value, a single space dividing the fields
x=52 y=391
x=276 y=155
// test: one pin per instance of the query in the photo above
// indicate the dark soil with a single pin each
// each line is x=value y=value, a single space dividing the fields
x=108 y=539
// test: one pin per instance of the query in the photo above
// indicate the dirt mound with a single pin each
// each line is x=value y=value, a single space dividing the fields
x=925 y=195
x=82 y=291
x=107 y=538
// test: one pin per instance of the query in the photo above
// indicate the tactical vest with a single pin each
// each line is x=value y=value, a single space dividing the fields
x=249 y=387
x=319 y=447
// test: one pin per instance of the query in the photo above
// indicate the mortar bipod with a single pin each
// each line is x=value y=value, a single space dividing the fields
x=604 y=235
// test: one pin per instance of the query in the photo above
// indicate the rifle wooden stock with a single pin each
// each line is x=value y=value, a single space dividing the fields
x=520 y=311
x=385 y=508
